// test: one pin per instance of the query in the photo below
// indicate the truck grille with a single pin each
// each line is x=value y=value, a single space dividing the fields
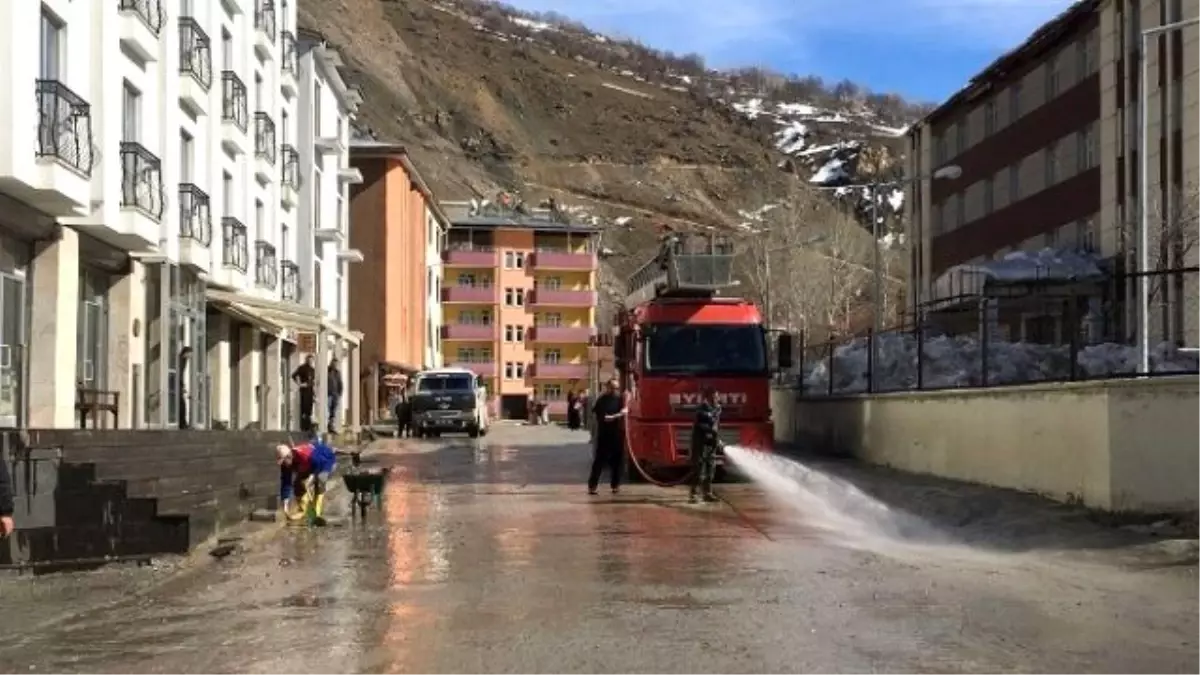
x=683 y=438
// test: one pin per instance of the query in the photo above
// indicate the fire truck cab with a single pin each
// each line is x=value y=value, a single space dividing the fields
x=676 y=335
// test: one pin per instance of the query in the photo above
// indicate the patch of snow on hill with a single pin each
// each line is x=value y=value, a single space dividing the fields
x=791 y=138
x=830 y=172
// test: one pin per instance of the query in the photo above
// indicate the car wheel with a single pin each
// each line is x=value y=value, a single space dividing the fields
x=473 y=432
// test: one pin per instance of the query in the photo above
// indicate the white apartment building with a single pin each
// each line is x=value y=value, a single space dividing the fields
x=150 y=215
x=436 y=229
x=324 y=164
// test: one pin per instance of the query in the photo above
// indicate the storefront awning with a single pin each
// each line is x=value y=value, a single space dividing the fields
x=280 y=319
x=352 y=336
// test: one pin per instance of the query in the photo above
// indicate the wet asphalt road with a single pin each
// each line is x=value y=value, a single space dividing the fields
x=489 y=557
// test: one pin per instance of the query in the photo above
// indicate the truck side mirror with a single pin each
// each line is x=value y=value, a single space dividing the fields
x=783 y=354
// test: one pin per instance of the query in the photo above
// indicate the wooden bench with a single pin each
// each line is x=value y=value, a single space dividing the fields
x=95 y=402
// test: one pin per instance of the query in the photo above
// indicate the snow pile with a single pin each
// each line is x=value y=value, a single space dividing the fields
x=791 y=138
x=832 y=171
x=954 y=361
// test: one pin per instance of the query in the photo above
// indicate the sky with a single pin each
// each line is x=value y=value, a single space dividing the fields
x=923 y=49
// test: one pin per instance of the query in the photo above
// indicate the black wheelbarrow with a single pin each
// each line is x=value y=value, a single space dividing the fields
x=365 y=485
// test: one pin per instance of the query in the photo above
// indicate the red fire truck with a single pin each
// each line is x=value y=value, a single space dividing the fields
x=678 y=334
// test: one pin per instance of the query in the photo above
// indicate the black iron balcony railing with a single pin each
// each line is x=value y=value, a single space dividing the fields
x=149 y=11
x=195 y=215
x=141 y=180
x=234 y=106
x=264 y=17
x=195 y=52
x=64 y=127
x=266 y=265
x=291 y=280
x=264 y=137
x=236 y=249
x=291 y=167
x=291 y=57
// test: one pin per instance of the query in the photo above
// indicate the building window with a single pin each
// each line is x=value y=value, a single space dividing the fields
x=92 y=333
x=520 y=260
x=520 y=297
x=550 y=283
x=1086 y=140
x=187 y=156
x=1051 y=164
x=1086 y=55
x=520 y=333
x=1085 y=235
x=1014 y=102
x=552 y=392
x=960 y=210
x=131 y=114
x=552 y=357
x=1053 y=78
x=508 y=333
x=989 y=118
x=962 y=141
x=260 y=220
x=989 y=196
x=467 y=318
x=485 y=317
x=509 y=370
x=940 y=149
x=509 y=297
x=509 y=260
x=1014 y=182
x=466 y=280
x=53 y=45
x=550 y=319
x=520 y=368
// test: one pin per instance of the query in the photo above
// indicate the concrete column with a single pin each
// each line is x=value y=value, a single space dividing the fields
x=354 y=389
x=247 y=365
x=127 y=304
x=53 y=324
x=274 y=357
x=218 y=365
x=321 y=404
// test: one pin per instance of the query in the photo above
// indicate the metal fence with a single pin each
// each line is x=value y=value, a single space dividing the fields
x=1048 y=333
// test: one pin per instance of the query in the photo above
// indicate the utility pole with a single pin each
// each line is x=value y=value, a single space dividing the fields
x=877 y=283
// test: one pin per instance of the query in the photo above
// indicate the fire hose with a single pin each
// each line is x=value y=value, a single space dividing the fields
x=644 y=474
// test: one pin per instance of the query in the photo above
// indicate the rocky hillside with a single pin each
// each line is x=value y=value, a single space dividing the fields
x=489 y=99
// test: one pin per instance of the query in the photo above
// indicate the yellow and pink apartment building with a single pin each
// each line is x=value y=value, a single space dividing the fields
x=519 y=303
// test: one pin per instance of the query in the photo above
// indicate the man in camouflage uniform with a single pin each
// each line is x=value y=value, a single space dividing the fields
x=705 y=443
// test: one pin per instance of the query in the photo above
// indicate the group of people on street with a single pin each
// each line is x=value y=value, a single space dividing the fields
x=305 y=376
x=611 y=410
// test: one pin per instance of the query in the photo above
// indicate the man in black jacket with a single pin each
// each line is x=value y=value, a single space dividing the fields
x=334 y=394
x=6 y=500
x=609 y=448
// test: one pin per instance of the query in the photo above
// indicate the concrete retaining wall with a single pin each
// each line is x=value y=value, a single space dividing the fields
x=1122 y=445
x=84 y=494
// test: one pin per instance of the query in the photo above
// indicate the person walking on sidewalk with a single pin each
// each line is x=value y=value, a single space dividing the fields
x=609 y=448
x=7 y=506
x=336 y=388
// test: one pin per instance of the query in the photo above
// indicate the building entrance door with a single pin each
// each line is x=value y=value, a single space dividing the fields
x=12 y=350
x=514 y=407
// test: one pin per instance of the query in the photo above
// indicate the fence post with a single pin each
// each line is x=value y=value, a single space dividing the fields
x=983 y=342
x=800 y=363
x=920 y=329
x=831 y=346
x=1072 y=309
x=870 y=361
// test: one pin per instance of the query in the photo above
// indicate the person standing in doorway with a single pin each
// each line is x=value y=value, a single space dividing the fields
x=305 y=376
x=335 y=394
x=609 y=448
x=185 y=356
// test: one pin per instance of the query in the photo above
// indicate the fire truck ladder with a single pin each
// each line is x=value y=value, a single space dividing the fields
x=687 y=265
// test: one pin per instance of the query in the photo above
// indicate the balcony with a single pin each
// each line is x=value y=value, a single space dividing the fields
x=235 y=113
x=325 y=233
x=141 y=25
x=548 y=298
x=290 y=281
x=480 y=368
x=562 y=261
x=195 y=65
x=476 y=256
x=143 y=200
x=472 y=332
x=195 y=227
x=289 y=183
x=235 y=252
x=560 y=371
x=290 y=72
x=266 y=265
x=265 y=148
x=264 y=29
x=58 y=177
x=478 y=295
x=562 y=334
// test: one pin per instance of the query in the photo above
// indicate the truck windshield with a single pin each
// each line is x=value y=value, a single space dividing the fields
x=733 y=349
x=455 y=382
